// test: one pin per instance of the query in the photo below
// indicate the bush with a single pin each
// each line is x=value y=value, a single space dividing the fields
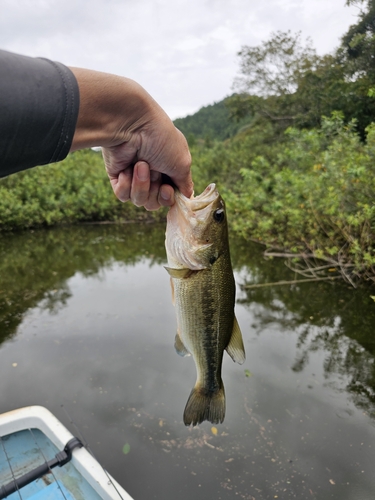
x=74 y=190
x=316 y=196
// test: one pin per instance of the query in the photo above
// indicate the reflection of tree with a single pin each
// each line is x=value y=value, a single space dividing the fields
x=54 y=300
x=35 y=265
x=329 y=317
x=345 y=357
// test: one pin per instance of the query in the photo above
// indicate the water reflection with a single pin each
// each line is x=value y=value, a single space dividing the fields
x=86 y=321
x=35 y=266
x=328 y=317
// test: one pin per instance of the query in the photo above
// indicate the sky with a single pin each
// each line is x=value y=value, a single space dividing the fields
x=183 y=52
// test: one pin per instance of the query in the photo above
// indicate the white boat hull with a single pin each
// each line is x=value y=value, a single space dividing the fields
x=45 y=428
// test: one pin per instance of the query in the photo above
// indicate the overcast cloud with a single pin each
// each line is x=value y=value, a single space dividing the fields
x=184 y=52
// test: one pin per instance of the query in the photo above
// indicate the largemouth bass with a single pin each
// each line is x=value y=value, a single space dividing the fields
x=203 y=293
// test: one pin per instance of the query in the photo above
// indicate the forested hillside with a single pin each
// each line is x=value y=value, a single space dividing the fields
x=210 y=123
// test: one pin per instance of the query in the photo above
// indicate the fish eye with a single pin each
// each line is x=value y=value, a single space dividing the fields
x=219 y=215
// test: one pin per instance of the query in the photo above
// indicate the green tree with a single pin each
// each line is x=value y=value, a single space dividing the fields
x=275 y=67
x=358 y=44
x=286 y=82
x=357 y=55
x=270 y=75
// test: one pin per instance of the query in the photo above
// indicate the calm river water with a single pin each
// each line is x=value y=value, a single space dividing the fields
x=86 y=321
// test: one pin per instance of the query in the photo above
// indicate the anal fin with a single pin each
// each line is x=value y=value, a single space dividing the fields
x=235 y=348
x=179 y=346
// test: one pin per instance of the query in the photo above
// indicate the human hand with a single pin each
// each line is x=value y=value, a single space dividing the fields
x=135 y=167
x=138 y=139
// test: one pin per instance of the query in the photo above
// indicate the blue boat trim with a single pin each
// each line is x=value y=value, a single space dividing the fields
x=52 y=492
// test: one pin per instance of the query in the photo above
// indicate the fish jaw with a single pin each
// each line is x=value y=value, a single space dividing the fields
x=185 y=222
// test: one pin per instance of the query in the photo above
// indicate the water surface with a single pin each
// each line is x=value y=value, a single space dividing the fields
x=86 y=322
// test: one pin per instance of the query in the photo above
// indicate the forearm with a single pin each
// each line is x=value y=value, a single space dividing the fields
x=112 y=108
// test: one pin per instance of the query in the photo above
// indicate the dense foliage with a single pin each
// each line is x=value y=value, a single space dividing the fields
x=311 y=194
x=74 y=190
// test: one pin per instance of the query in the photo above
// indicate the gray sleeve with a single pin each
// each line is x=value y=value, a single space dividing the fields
x=39 y=104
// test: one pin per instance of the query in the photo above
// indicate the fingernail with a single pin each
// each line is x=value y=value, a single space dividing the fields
x=165 y=195
x=143 y=172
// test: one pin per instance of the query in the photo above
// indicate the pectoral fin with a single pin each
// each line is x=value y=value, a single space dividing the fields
x=179 y=273
x=179 y=346
x=235 y=348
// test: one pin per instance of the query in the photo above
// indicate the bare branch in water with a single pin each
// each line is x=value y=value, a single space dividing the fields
x=292 y=282
x=311 y=267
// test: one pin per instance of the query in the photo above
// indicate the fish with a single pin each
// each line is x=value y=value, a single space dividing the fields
x=203 y=294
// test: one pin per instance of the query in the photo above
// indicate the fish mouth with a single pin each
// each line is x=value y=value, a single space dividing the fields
x=184 y=222
x=199 y=206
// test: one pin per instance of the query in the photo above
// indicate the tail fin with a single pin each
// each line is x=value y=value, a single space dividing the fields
x=205 y=405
